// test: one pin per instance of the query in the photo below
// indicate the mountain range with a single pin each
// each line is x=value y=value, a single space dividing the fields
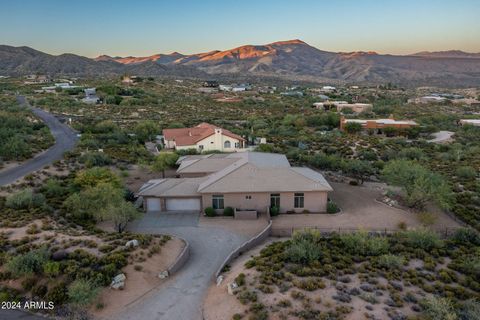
x=292 y=60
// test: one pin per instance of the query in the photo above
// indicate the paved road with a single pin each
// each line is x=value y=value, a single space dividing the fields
x=18 y=315
x=65 y=139
x=181 y=297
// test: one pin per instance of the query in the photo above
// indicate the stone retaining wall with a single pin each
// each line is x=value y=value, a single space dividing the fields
x=181 y=259
x=253 y=242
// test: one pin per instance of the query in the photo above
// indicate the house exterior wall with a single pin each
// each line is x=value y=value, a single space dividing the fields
x=313 y=201
x=214 y=142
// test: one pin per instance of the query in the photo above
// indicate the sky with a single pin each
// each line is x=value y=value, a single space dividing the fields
x=146 y=27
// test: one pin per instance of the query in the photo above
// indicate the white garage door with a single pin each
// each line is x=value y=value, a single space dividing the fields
x=184 y=204
x=153 y=204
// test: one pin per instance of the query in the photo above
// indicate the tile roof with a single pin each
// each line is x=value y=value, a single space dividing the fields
x=190 y=136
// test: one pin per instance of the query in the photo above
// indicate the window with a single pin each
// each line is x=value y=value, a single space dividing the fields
x=298 y=200
x=217 y=201
x=227 y=144
x=275 y=200
x=248 y=197
x=200 y=146
x=237 y=145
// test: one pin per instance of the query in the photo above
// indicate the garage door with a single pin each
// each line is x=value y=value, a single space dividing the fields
x=188 y=204
x=153 y=204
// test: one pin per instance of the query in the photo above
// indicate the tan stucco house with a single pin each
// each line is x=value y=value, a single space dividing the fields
x=243 y=180
x=204 y=137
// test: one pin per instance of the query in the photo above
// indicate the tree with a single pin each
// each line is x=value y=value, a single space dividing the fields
x=95 y=176
x=120 y=214
x=353 y=127
x=419 y=184
x=358 y=169
x=146 y=130
x=164 y=161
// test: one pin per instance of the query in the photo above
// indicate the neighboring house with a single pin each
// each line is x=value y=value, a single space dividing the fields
x=210 y=84
x=244 y=181
x=378 y=125
x=341 y=105
x=472 y=122
x=90 y=96
x=204 y=137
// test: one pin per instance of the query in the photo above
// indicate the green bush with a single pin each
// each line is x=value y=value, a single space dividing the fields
x=82 y=292
x=438 y=309
x=470 y=310
x=304 y=247
x=29 y=263
x=228 y=211
x=466 y=236
x=422 y=238
x=51 y=269
x=332 y=207
x=390 y=261
x=364 y=244
x=57 y=294
x=274 y=211
x=210 y=212
x=25 y=199
x=466 y=173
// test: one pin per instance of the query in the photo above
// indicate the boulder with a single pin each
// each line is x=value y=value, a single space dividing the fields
x=163 y=274
x=132 y=243
x=118 y=285
x=119 y=278
x=219 y=280
x=59 y=255
x=231 y=288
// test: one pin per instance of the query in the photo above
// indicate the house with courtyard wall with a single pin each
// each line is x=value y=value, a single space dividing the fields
x=252 y=181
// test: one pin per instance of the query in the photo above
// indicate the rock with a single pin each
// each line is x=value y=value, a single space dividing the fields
x=163 y=274
x=132 y=243
x=119 y=278
x=118 y=285
x=231 y=288
x=219 y=280
x=59 y=255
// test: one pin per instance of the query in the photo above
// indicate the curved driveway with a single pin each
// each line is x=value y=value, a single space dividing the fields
x=181 y=297
x=65 y=139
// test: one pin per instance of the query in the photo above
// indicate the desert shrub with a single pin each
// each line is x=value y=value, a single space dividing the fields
x=51 y=269
x=25 y=199
x=332 y=207
x=438 y=309
x=466 y=236
x=57 y=294
x=240 y=279
x=427 y=218
x=82 y=292
x=364 y=244
x=310 y=284
x=470 y=310
x=28 y=263
x=390 y=261
x=228 y=211
x=304 y=247
x=40 y=290
x=210 y=212
x=95 y=159
x=471 y=266
x=422 y=238
x=466 y=173
x=246 y=297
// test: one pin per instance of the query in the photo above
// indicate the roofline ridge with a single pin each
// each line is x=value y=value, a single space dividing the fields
x=200 y=187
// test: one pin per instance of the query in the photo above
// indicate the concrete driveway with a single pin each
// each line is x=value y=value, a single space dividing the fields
x=181 y=297
x=167 y=220
x=65 y=139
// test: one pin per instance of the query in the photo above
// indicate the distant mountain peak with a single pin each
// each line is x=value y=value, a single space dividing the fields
x=288 y=42
x=447 y=54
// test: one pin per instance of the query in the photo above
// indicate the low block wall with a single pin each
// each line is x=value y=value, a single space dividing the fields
x=246 y=214
x=181 y=259
x=255 y=241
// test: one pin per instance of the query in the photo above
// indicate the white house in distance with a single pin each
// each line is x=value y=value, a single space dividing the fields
x=203 y=137
x=472 y=122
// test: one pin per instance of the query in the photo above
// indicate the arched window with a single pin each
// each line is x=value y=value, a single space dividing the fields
x=227 y=144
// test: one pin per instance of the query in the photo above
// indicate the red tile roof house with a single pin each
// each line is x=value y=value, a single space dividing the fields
x=243 y=180
x=204 y=137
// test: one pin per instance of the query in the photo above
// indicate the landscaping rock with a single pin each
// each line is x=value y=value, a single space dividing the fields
x=132 y=243
x=163 y=274
x=59 y=255
x=231 y=288
x=118 y=282
x=219 y=280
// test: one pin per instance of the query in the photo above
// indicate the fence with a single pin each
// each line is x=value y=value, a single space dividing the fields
x=288 y=232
